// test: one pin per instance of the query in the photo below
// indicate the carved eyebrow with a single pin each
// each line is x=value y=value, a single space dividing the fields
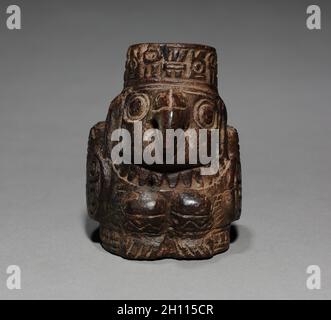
x=198 y=93
x=155 y=110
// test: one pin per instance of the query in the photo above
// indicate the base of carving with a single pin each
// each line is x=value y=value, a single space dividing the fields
x=148 y=247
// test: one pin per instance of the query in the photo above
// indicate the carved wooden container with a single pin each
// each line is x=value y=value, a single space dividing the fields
x=165 y=211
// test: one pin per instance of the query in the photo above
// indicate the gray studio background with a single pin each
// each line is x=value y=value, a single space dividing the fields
x=57 y=77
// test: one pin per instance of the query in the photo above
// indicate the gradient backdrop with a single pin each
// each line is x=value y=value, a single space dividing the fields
x=57 y=77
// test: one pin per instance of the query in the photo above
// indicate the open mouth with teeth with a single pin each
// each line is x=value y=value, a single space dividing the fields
x=151 y=176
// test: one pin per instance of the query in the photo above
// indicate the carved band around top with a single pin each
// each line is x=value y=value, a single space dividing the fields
x=150 y=63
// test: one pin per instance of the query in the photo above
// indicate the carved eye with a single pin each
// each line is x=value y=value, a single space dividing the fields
x=198 y=66
x=151 y=55
x=162 y=100
x=136 y=107
x=204 y=113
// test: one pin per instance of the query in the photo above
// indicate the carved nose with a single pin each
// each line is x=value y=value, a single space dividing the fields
x=170 y=119
x=170 y=111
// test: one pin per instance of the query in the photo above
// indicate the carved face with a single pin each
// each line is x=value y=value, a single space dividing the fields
x=169 y=107
x=172 y=108
x=151 y=211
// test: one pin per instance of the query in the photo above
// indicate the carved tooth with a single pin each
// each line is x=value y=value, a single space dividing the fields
x=153 y=180
x=142 y=177
x=132 y=173
x=186 y=177
x=172 y=179
x=164 y=182
x=157 y=179
x=123 y=171
x=198 y=179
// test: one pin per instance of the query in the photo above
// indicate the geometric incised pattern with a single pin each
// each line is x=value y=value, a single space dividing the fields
x=149 y=211
x=170 y=63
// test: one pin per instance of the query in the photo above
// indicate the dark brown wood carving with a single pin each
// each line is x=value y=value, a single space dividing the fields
x=165 y=210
